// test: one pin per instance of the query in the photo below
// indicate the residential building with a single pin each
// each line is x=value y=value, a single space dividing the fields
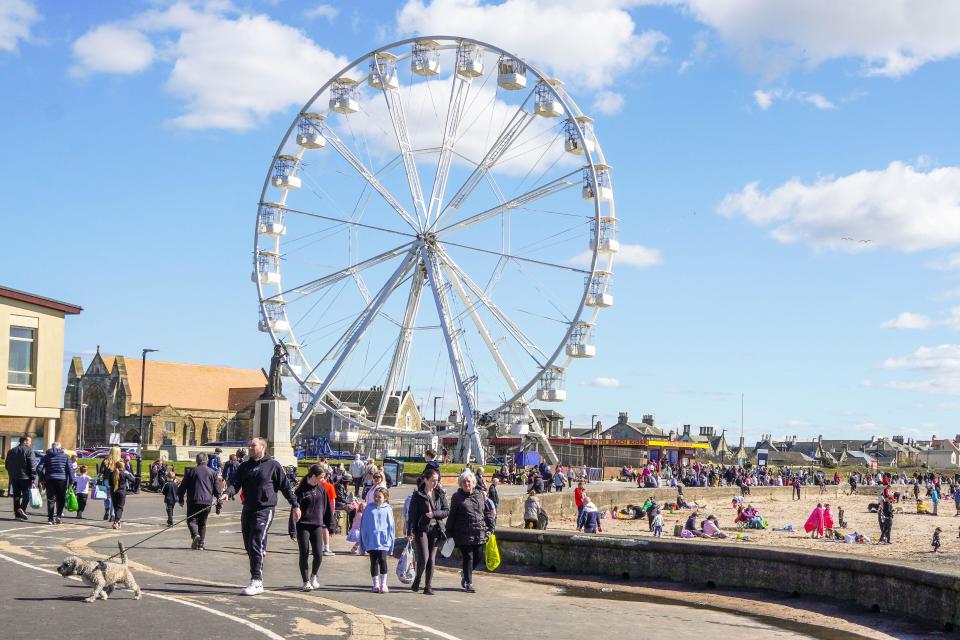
x=31 y=350
x=626 y=430
x=183 y=404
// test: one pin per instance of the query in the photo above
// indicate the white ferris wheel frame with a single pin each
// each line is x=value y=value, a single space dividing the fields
x=439 y=267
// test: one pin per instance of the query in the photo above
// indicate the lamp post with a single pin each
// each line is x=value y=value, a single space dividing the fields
x=435 y=398
x=143 y=377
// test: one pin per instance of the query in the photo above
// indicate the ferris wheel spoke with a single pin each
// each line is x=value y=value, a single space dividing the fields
x=394 y=100
x=354 y=335
x=367 y=175
x=398 y=364
x=515 y=127
x=544 y=190
x=352 y=223
x=451 y=336
x=510 y=256
x=459 y=90
x=354 y=270
x=516 y=332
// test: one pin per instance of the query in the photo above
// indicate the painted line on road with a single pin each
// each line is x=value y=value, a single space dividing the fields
x=423 y=627
x=251 y=625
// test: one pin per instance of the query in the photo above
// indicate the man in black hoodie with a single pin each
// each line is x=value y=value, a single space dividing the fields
x=261 y=478
x=200 y=487
x=21 y=469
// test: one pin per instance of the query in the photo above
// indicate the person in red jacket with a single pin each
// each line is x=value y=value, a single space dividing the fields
x=579 y=497
x=332 y=494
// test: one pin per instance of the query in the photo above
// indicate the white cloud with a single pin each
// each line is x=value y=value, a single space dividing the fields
x=630 y=255
x=765 y=99
x=232 y=70
x=796 y=424
x=907 y=320
x=111 y=49
x=891 y=38
x=607 y=383
x=953 y=320
x=16 y=19
x=588 y=45
x=941 y=363
x=608 y=102
x=947 y=294
x=326 y=11
x=898 y=208
x=696 y=54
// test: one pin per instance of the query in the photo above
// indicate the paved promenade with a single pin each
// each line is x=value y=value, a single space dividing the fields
x=195 y=593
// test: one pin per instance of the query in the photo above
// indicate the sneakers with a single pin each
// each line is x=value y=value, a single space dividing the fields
x=315 y=581
x=383 y=584
x=327 y=552
x=196 y=543
x=469 y=588
x=427 y=591
x=307 y=586
x=50 y=522
x=21 y=515
x=376 y=584
x=253 y=589
x=56 y=521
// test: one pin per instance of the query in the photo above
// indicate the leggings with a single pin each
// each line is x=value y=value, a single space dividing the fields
x=117 y=500
x=378 y=563
x=472 y=554
x=309 y=536
x=425 y=549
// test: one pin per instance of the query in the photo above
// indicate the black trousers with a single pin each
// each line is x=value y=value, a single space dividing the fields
x=197 y=520
x=254 y=525
x=81 y=504
x=472 y=557
x=21 y=494
x=118 y=499
x=310 y=539
x=378 y=563
x=169 y=514
x=56 y=496
x=425 y=549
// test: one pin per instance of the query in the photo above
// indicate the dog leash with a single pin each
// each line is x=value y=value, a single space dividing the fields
x=154 y=535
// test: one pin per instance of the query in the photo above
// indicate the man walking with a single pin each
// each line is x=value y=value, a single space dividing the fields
x=356 y=472
x=56 y=475
x=200 y=487
x=261 y=478
x=22 y=473
x=885 y=516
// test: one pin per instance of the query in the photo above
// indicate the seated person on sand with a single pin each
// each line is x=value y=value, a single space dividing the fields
x=711 y=528
x=691 y=524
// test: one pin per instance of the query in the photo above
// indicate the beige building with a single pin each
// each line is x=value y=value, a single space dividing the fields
x=31 y=350
x=183 y=404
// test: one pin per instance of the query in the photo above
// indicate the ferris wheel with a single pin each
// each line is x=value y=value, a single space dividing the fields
x=437 y=222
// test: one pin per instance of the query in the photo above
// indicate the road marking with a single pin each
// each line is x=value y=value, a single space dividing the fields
x=251 y=625
x=437 y=632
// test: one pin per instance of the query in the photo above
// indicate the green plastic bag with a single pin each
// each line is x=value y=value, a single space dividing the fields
x=70 y=504
x=493 y=553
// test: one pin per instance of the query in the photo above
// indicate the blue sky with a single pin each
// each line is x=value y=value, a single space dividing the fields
x=749 y=139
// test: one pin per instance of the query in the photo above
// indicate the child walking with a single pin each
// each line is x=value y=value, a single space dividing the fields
x=658 y=524
x=82 y=484
x=169 y=491
x=377 y=533
x=935 y=543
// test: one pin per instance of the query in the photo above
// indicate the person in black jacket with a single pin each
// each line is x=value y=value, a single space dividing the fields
x=22 y=472
x=316 y=515
x=424 y=525
x=261 y=478
x=56 y=474
x=469 y=524
x=200 y=486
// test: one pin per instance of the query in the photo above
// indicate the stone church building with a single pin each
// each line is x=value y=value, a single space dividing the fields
x=183 y=404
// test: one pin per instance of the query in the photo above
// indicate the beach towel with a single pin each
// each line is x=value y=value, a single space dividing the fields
x=815 y=521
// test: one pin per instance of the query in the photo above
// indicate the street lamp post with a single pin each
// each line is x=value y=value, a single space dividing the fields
x=435 y=398
x=143 y=377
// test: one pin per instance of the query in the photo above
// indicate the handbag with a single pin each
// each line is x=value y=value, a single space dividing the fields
x=71 y=504
x=36 y=500
x=447 y=548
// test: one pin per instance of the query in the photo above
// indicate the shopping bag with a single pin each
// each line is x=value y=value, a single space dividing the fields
x=447 y=547
x=70 y=504
x=493 y=553
x=36 y=500
x=407 y=566
x=354 y=534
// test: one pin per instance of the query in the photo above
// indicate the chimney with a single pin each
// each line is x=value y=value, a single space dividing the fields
x=622 y=418
x=686 y=430
x=648 y=419
x=673 y=434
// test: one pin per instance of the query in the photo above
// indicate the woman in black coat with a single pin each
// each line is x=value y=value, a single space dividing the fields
x=469 y=524
x=424 y=525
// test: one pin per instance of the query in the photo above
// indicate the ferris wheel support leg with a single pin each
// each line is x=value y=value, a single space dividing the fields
x=469 y=437
x=357 y=334
x=399 y=363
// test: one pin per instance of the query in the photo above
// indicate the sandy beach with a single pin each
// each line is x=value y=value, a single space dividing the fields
x=911 y=537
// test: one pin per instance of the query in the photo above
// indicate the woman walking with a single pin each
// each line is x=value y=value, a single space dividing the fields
x=377 y=536
x=119 y=480
x=316 y=516
x=469 y=524
x=104 y=471
x=424 y=526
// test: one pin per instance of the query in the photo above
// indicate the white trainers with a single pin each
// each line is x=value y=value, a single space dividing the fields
x=315 y=581
x=327 y=552
x=383 y=584
x=307 y=586
x=254 y=588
